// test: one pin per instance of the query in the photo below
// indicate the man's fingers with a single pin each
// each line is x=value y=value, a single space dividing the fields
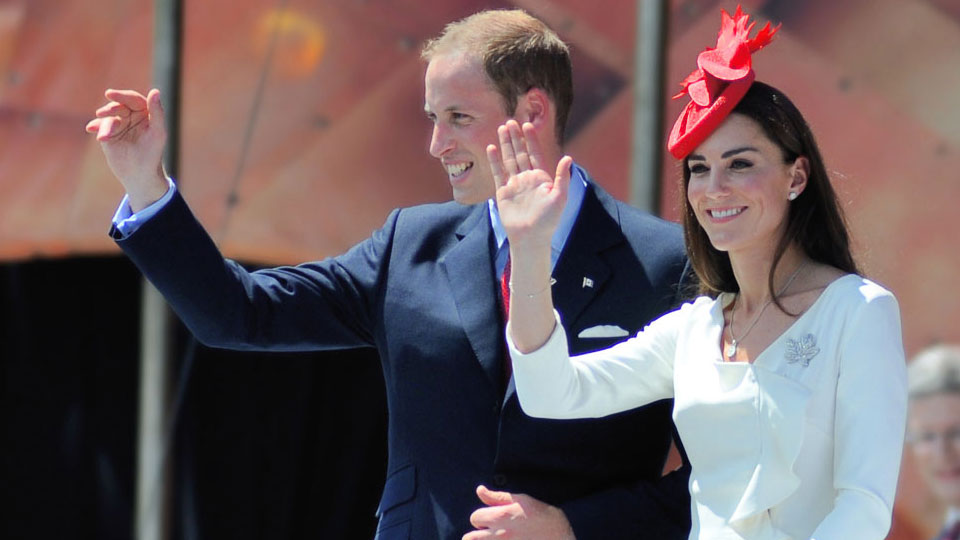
x=93 y=126
x=479 y=535
x=108 y=128
x=493 y=498
x=491 y=517
x=132 y=99
x=534 y=149
x=155 y=109
x=487 y=516
x=479 y=518
x=113 y=109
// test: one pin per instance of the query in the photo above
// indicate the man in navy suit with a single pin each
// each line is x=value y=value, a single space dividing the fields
x=425 y=291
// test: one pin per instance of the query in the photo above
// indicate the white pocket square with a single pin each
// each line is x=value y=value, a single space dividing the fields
x=603 y=331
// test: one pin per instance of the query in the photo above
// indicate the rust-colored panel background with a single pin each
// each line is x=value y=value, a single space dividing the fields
x=337 y=138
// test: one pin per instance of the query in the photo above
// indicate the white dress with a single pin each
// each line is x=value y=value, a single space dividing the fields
x=805 y=442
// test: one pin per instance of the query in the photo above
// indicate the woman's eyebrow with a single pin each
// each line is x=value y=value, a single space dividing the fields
x=729 y=153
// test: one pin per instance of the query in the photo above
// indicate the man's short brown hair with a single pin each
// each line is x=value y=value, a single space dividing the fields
x=518 y=53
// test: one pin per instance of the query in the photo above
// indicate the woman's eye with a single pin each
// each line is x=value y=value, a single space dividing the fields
x=740 y=164
x=698 y=168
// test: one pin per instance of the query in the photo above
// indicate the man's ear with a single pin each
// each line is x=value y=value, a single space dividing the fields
x=535 y=107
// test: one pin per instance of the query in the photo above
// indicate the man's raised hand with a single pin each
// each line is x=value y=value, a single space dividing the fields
x=132 y=134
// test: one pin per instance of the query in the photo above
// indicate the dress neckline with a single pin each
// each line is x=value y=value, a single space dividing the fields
x=725 y=298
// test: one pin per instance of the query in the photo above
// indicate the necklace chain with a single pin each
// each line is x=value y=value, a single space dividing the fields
x=734 y=341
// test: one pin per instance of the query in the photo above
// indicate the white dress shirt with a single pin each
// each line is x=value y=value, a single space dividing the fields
x=805 y=442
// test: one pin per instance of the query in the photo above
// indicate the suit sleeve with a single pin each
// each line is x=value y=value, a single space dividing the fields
x=320 y=305
x=658 y=510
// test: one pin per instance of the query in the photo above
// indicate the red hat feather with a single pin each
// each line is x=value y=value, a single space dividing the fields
x=724 y=74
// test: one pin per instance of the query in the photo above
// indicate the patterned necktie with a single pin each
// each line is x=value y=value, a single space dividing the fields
x=505 y=292
x=505 y=289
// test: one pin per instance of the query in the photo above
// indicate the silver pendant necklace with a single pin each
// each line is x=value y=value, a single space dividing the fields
x=731 y=350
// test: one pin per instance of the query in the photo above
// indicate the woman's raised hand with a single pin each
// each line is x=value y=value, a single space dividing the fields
x=530 y=203
x=529 y=200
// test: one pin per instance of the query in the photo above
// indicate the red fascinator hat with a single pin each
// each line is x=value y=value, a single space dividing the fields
x=723 y=76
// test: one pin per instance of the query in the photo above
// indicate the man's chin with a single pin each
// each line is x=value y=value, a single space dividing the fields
x=470 y=198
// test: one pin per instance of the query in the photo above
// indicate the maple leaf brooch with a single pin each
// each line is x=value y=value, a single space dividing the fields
x=802 y=350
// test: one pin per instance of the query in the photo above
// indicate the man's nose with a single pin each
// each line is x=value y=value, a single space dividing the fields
x=440 y=141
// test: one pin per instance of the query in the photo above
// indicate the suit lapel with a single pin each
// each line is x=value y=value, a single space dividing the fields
x=469 y=271
x=581 y=271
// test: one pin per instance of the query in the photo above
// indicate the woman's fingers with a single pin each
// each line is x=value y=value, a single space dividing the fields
x=508 y=156
x=561 y=182
x=519 y=146
x=496 y=166
x=534 y=149
x=517 y=161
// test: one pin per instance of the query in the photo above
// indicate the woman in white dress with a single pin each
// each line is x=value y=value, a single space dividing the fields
x=787 y=374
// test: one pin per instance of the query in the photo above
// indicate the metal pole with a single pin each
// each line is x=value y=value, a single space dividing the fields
x=151 y=520
x=647 y=143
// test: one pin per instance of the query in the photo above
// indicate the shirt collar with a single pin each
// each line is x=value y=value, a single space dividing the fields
x=578 y=188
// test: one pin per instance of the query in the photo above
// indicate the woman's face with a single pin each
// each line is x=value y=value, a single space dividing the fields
x=739 y=186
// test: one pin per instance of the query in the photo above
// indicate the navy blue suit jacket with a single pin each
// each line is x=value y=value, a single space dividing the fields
x=422 y=291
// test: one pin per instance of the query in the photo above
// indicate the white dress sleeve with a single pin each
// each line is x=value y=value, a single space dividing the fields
x=869 y=424
x=551 y=384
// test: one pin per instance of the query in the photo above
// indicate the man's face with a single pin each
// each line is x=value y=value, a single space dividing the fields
x=933 y=429
x=465 y=111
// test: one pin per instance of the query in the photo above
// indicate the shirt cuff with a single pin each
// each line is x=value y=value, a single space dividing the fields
x=126 y=222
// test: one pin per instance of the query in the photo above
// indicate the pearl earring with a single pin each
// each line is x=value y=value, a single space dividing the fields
x=793 y=195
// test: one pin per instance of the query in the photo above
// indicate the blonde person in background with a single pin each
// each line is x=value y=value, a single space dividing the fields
x=788 y=374
x=933 y=427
